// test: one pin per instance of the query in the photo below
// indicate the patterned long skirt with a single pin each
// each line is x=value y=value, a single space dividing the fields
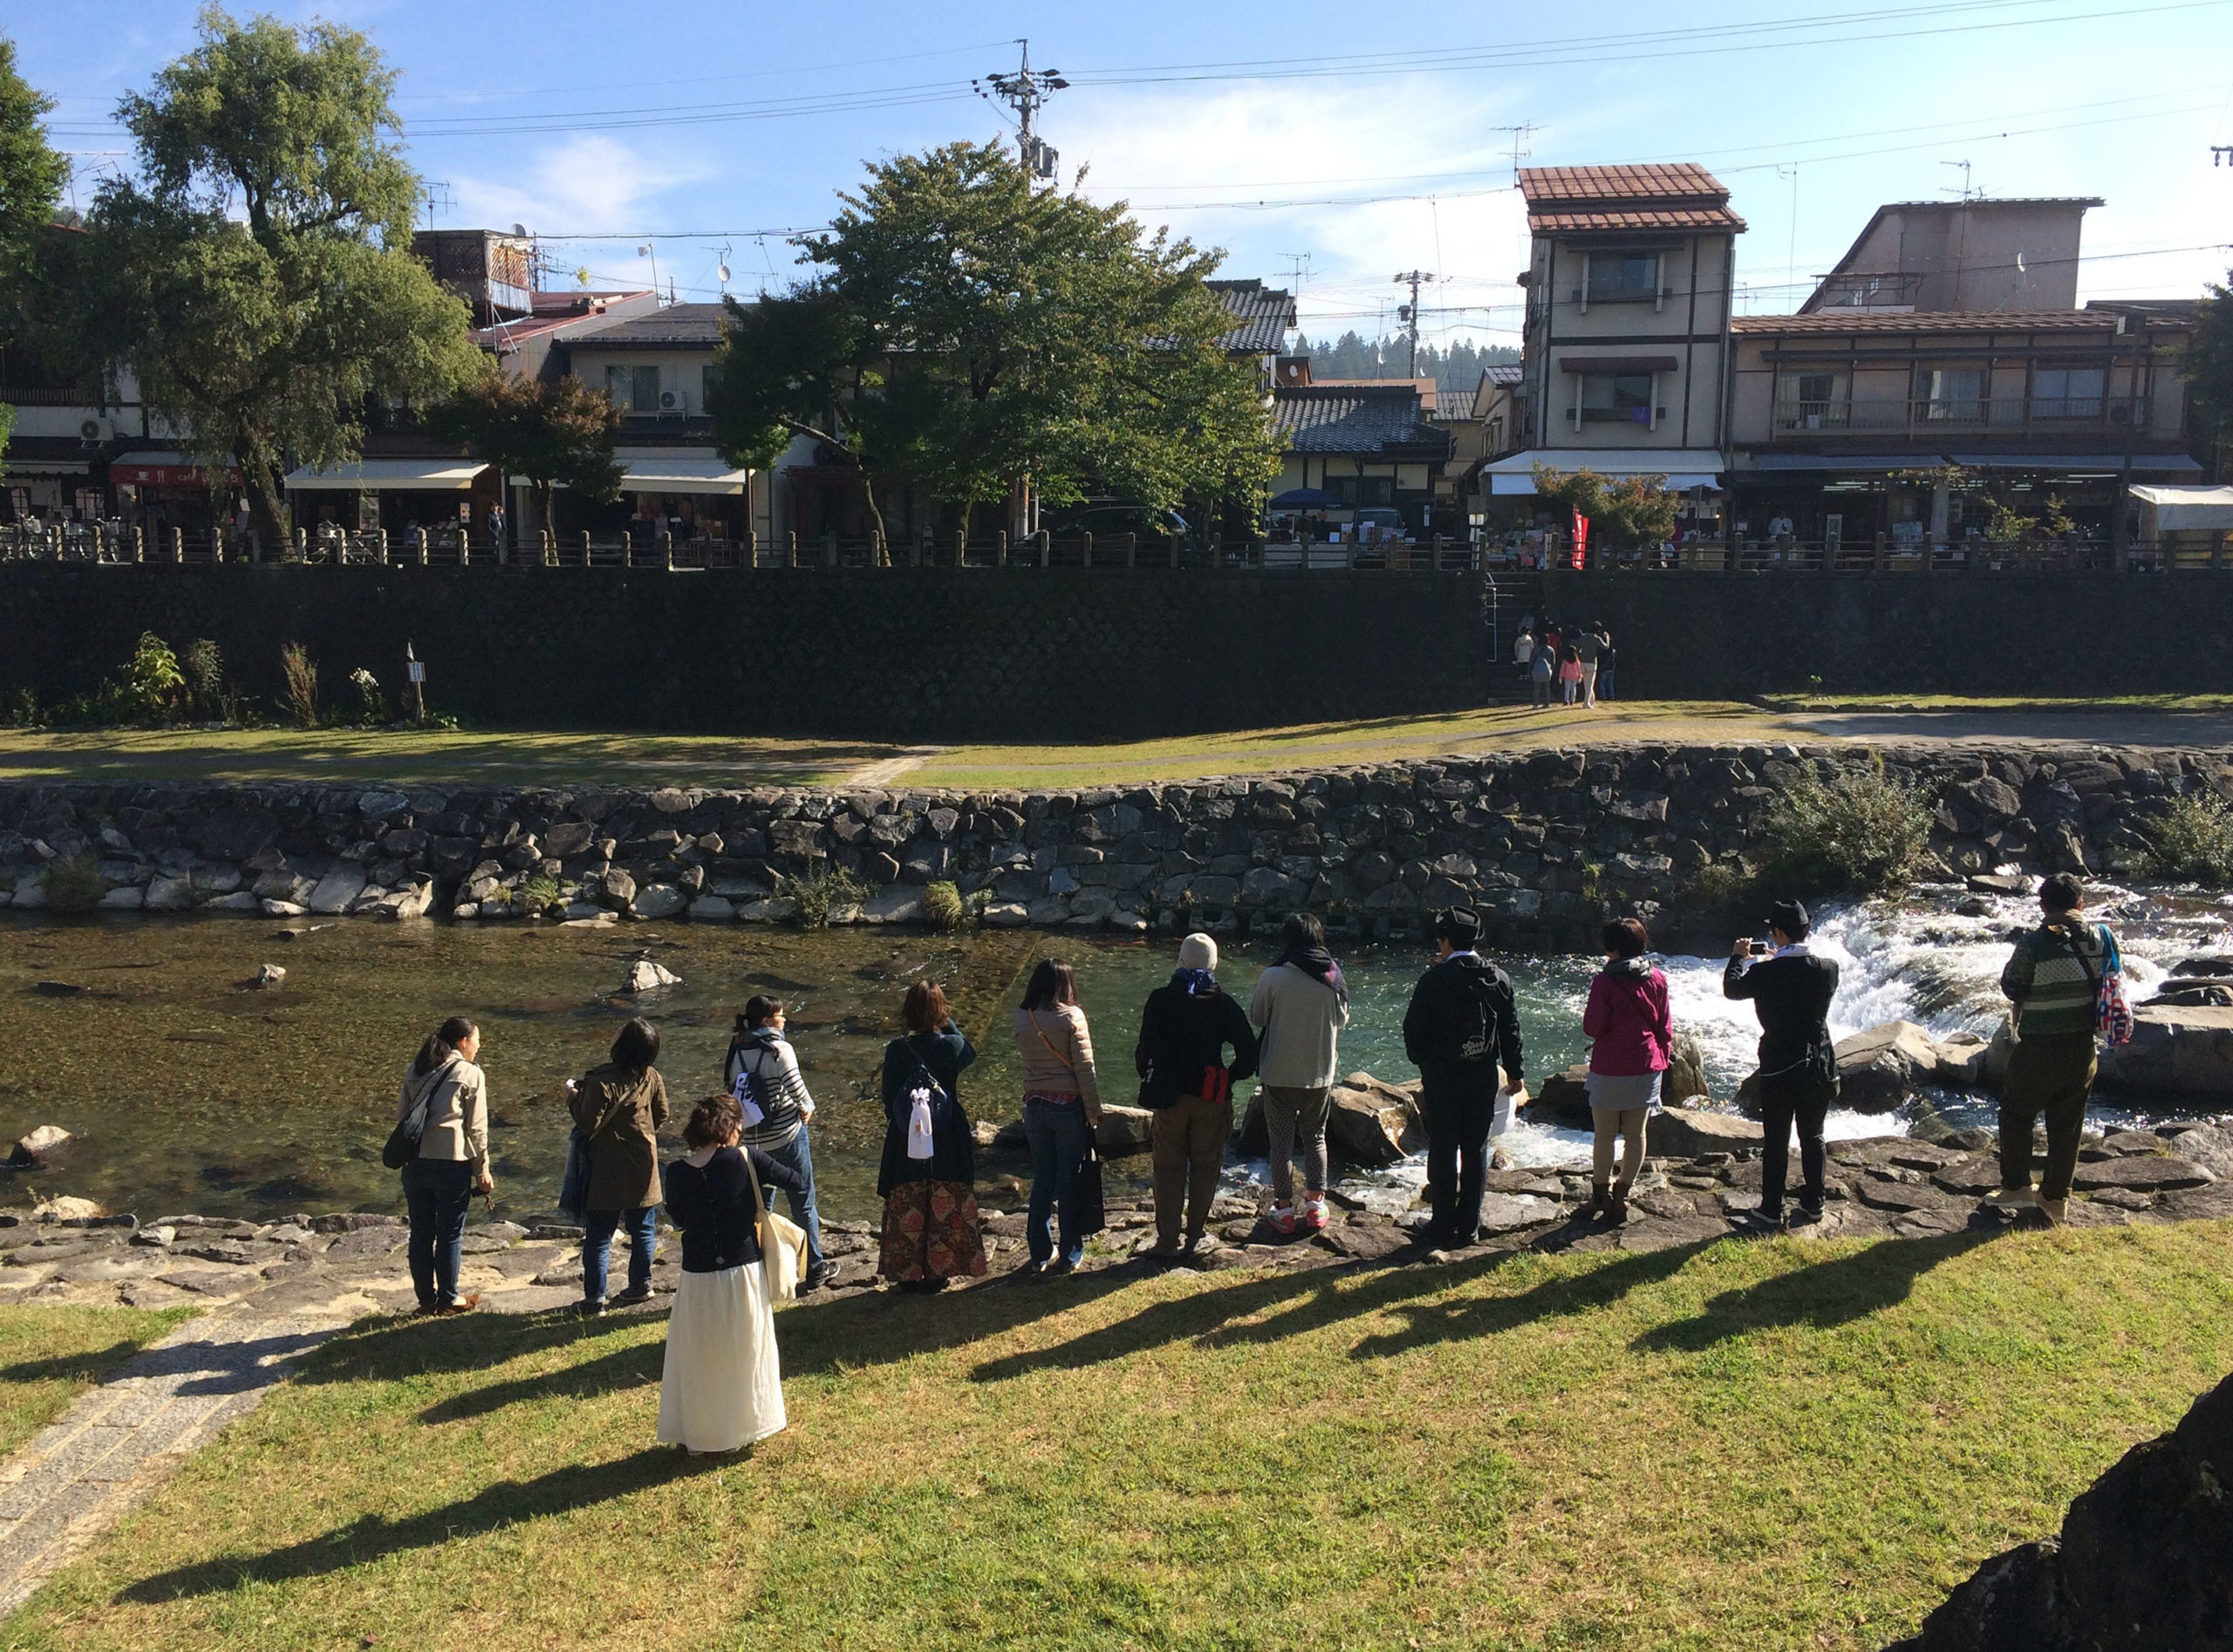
x=931 y=1231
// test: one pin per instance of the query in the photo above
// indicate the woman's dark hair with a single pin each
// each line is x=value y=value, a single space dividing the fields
x=1572 y=650
x=712 y=1120
x=1053 y=985
x=1625 y=938
x=759 y=1010
x=2061 y=893
x=1303 y=932
x=442 y=1044
x=924 y=1010
x=637 y=1049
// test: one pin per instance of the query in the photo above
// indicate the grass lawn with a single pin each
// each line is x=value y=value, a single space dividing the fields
x=50 y=1355
x=1783 y=1445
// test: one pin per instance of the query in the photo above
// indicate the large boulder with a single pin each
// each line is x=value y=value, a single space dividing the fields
x=1685 y=1132
x=2144 y=1562
x=658 y=900
x=1563 y=1100
x=1123 y=1130
x=2184 y=1050
x=1881 y=1067
x=1686 y=1074
x=1370 y=1125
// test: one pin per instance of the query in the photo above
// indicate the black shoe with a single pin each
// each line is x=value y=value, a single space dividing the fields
x=1805 y=1216
x=632 y=1295
x=1761 y=1221
x=589 y=1310
x=818 y=1276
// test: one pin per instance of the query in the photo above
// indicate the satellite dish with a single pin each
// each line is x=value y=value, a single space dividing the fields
x=722 y=271
x=519 y=229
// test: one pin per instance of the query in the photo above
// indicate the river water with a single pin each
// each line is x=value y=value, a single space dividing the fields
x=194 y=1091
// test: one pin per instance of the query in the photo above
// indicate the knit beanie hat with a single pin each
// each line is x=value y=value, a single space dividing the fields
x=1197 y=951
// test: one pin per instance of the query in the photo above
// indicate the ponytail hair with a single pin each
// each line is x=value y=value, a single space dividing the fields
x=441 y=1044
x=759 y=1010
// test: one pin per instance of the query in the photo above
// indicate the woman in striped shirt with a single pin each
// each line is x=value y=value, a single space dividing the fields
x=762 y=1071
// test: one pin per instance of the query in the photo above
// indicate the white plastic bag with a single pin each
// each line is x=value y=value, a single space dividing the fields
x=918 y=1126
x=1510 y=1100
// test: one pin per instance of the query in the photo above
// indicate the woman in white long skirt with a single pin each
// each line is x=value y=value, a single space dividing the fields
x=722 y=1388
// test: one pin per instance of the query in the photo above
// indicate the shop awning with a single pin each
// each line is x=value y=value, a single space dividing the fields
x=2150 y=464
x=2202 y=510
x=1819 y=463
x=1682 y=466
x=682 y=476
x=402 y=475
x=33 y=465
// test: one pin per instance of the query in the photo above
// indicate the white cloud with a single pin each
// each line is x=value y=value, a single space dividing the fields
x=586 y=182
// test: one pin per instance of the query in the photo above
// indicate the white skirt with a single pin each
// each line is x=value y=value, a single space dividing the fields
x=722 y=1388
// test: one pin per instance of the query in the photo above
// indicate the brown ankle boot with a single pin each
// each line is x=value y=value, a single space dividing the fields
x=1600 y=1200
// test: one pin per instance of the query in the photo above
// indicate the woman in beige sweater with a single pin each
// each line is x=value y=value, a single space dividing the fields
x=1062 y=1104
x=446 y=1093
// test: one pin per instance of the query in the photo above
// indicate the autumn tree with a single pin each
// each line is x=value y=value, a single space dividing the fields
x=1629 y=512
x=554 y=432
x=256 y=276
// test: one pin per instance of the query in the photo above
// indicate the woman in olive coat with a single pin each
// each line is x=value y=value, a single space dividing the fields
x=619 y=1108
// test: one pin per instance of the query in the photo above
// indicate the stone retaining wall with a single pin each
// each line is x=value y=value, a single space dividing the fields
x=1542 y=843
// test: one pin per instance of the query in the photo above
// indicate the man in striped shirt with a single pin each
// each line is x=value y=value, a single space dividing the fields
x=2053 y=977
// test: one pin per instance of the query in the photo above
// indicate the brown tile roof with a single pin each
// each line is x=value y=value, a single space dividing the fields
x=1850 y=321
x=1578 y=222
x=1584 y=199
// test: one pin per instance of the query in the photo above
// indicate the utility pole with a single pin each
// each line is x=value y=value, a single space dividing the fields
x=1408 y=314
x=1025 y=91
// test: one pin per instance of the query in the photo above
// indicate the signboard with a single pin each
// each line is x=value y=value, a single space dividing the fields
x=1581 y=541
x=418 y=669
x=167 y=476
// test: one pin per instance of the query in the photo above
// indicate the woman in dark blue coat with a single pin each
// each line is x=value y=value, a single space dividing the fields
x=928 y=1178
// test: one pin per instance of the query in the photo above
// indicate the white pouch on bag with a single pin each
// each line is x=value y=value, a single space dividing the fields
x=918 y=1126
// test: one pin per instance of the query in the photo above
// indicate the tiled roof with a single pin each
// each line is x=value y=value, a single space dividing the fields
x=1263 y=315
x=1504 y=373
x=1453 y=404
x=1573 y=200
x=2161 y=312
x=1832 y=321
x=1354 y=419
x=676 y=327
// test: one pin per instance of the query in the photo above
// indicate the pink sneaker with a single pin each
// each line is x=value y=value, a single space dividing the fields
x=1283 y=1221
x=1314 y=1215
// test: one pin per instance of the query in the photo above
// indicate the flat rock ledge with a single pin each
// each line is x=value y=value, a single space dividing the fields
x=351 y=1265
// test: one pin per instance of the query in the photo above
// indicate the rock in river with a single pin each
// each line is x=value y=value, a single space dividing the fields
x=1880 y=1068
x=645 y=976
x=2176 y=1049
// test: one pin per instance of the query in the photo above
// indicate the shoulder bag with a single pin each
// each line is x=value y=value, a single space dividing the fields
x=403 y=1141
x=782 y=1243
x=1092 y=1214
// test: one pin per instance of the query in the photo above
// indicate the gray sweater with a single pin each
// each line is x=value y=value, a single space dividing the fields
x=1301 y=1019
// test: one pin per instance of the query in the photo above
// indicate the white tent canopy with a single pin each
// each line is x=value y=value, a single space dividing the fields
x=681 y=476
x=2195 y=509
x=406 y=475
x=1682 y=466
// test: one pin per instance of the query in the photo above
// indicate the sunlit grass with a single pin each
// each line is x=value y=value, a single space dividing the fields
x=50 y=1355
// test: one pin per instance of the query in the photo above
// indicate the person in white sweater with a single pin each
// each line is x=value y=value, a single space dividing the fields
x=1301 y=1005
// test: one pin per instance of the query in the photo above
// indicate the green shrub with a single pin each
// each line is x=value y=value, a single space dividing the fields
x=204 y=663
x=943 y=907
x=372 y=704
x=151 y=678
x=298 y=696
x=74 y=884
x=2194 y=840
x=820 y=895
x=1721 y=886
x=1859 y=829
x=541 y=890
x=23 y=710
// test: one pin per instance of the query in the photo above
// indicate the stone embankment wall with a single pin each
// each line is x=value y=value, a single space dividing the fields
x=1543 y=844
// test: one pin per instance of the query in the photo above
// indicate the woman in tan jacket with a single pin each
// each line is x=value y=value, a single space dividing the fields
x=619 y=1108
x=1062 y=1105
x=452 y=1163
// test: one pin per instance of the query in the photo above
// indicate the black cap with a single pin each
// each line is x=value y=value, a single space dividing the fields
x=1460 y=926
x=1790 y=916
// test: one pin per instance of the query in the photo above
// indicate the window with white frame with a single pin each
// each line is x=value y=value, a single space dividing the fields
x=2067 y=393
x=1954 y=394
x=1617 y=277
x=1615 y=398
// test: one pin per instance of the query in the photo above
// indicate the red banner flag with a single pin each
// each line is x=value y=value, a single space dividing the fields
x=1581 y=541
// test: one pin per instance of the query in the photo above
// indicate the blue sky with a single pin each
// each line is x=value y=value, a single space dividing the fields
x=1368 y=140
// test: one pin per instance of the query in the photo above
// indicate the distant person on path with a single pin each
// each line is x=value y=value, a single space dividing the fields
x=1631 y=1031
x=619 y=1108
x=1791 y=990
x=1462 y=1025
x=452 y=1163
x=1543 y=666
x=1586 y=651
x=1300 y=1006
x=1570 y=673
x=1606 y=655
x=2053 y=977
x=928 y=1178
x=1062 y=1108
x=1523 y=652
x=722 y=1386
x=762 y=1072
x=1187 y=1079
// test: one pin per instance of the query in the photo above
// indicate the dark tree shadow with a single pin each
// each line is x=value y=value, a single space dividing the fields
x=75 y=1368
x=1833 y=1291
x=630 y=1365
x=373 y=1536
x=390 y=1350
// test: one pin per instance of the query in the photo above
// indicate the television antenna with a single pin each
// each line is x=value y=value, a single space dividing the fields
x=1968 y=191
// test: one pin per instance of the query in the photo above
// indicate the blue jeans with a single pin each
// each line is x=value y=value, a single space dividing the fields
x=596 y=1248
x=794 y=1155
x=1057 y=1133
x=437 y=1192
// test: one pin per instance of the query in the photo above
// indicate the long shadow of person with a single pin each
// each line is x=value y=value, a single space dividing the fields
x=1834 y=1291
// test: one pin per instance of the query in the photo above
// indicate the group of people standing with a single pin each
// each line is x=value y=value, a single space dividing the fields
x=721 y=1387
x=1579 y=660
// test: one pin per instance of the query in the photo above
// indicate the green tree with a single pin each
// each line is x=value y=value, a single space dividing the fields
x=257 y=277
x=973 y=336
x=2208 y=365
x=554 y=432
x=1628 y=511
x=31 y=176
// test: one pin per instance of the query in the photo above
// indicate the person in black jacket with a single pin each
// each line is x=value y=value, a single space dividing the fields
x=928 y=1177
x=1461 y=1027
x=721 y=1388
x=1187 y=1080
x=1791 y=990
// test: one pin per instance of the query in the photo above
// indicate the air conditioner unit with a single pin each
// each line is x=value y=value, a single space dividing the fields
x=671 y=401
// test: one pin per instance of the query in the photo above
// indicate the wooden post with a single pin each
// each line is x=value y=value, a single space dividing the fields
x=1087 y=542
x=1436 y=542
x=791 y=550
x=666 y=550
x=751 y=548
x=585 y=547
x=1131 y=550
x=178 y=544
x=1001 y=549
x=302 y=544
x=1170 y=545
x=830 y=548
x=1882 y=560
x=1046 y=548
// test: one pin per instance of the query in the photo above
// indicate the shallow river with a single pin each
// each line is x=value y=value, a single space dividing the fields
x=193 y=1091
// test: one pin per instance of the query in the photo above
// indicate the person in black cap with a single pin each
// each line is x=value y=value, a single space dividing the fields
x=1791 y=990
x=1462 y=1025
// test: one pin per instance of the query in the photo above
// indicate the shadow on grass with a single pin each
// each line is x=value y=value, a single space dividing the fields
x=373 y=1537
x=76 y=1368
x=1833 y=1291
x=635 y=1365
x=392 y=1350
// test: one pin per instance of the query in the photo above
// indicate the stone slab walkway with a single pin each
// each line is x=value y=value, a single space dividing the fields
x=74 y=1479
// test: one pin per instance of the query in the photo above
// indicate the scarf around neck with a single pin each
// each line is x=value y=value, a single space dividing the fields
x=1195 y=983
x=1317 y=961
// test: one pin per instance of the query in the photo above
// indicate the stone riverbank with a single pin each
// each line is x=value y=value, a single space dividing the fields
x=1543 y=842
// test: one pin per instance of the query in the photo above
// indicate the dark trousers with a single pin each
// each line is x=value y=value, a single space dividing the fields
x=1779 y=1110
x=2050 y=1074
x=1058 y=1138
x=641 y=1226
x=1457 y=1161
x=437 y=1192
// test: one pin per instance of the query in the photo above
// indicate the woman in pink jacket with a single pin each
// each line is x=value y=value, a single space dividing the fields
x=1632 y=1039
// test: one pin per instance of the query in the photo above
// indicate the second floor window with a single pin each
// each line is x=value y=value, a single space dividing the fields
x=2067 y=393
x=1617 y=276
x=1956 y=393
x=633 y=389
x=1616 y=398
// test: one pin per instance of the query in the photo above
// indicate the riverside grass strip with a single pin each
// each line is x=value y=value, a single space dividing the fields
x=1789 y=1444
x=51 y=1355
